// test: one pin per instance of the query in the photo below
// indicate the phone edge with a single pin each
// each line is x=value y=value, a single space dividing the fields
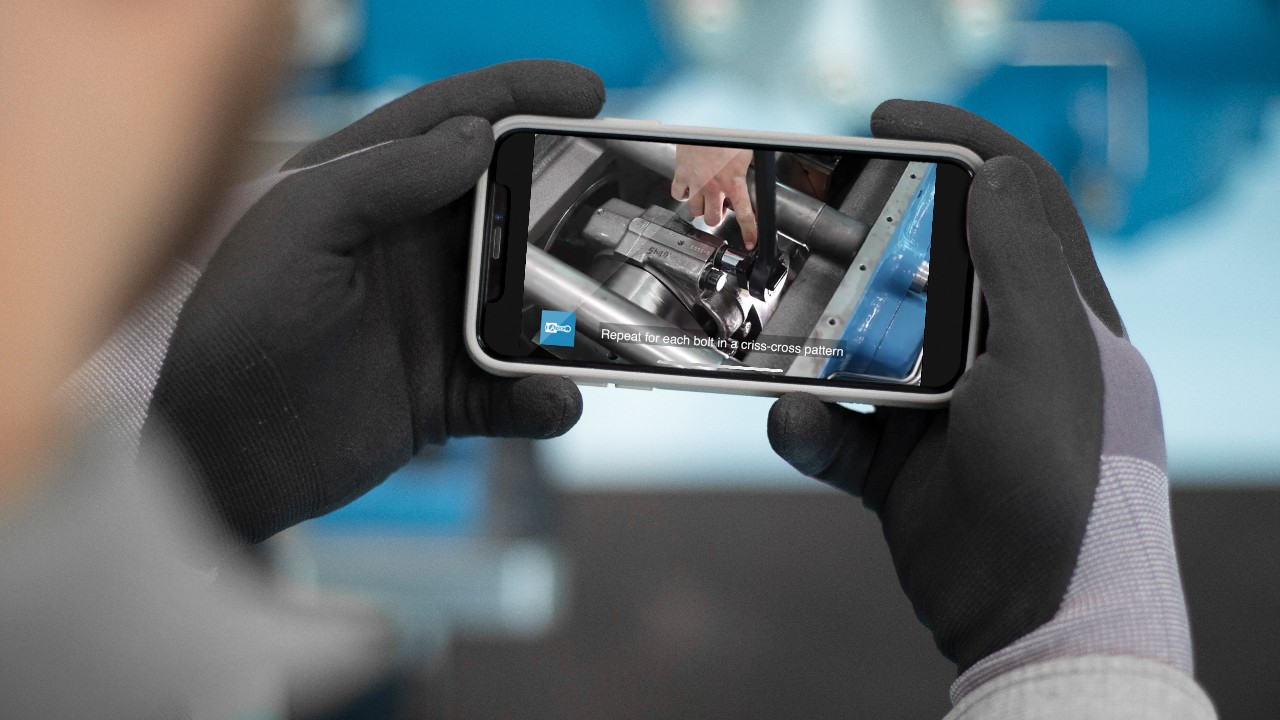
x=732 y=386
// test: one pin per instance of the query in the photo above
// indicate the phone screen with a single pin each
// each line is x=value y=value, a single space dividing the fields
x=762 y=262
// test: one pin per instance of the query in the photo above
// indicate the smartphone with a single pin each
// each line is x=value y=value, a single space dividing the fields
x=616 y=251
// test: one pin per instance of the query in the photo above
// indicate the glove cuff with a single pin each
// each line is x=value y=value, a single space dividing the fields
x=1094 y=686
x=1125 y=596
x=227 y=403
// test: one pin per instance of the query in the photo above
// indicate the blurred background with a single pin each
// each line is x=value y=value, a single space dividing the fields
x=659 y=560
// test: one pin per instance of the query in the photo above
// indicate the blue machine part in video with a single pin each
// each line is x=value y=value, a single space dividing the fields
x=886 y=332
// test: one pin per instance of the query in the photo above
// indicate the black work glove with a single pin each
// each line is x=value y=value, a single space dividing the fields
x=323 y=345
x=1029 y=520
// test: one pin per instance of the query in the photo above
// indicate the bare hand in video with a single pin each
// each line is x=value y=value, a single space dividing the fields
x=714 y=179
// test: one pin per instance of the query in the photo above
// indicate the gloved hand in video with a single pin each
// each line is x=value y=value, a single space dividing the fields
x=1028 y=521
x=322 y=346
x=714 y=180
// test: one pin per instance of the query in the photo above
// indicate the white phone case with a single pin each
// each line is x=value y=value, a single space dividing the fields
x=634 y=376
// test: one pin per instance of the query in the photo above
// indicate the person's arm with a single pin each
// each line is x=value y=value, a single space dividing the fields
x=119 y=124
x=1028 y=521
x=110 y=611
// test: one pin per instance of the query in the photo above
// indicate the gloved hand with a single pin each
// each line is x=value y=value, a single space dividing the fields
x=322 y=346
x=1029 y=520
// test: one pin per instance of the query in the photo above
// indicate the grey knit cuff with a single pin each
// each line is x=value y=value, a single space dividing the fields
x=1125 y=596
x=113 y=388
x=1093 y=687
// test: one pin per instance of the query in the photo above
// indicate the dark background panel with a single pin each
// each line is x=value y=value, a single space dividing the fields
x=784 y=605
x=715 y=605
x=1229 y=550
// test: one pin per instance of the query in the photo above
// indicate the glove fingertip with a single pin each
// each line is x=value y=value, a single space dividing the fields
x=901 y=118
x=1009 y=176
x=544 y=406
x=554 y=87
x=587 y=92
x=802 y=431
x=1004 y=191
x=1009 y=234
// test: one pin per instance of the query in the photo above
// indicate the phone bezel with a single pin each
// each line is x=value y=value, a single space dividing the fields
x=638 y=377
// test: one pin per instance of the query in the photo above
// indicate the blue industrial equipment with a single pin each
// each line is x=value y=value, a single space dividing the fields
x=885 y=335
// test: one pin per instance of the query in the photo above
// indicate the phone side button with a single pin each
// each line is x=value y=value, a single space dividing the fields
x=591 y=383
x=632 y=386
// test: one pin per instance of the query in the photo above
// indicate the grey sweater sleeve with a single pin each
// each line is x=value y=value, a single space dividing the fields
x=114 y=387
x=107 y=612
x=1095 y=687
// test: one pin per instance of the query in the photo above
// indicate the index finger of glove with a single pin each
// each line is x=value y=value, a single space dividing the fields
x=1036 y=314
x=824 y=441
x=540 y=87
x=537 y=407
x=390 y=183
x=934 y=122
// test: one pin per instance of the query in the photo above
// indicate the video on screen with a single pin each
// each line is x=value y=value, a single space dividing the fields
x=740 y=260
